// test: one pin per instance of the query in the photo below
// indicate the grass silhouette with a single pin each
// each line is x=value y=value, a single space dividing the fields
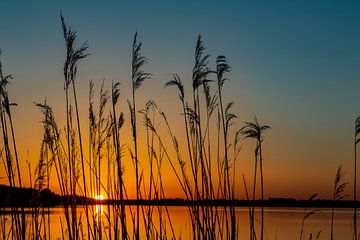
x=256 y=131
x=211 y=145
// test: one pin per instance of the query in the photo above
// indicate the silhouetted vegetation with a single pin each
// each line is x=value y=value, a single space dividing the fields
x=338 y=194
x=255 y=130
x=356 y=141
x=204 y=162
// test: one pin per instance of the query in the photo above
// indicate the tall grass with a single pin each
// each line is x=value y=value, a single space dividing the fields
x=356 y=141
x=204 y=162
x=117 y=124
x=208 y=222
x=338 y=194
x=308 y=212
x=256 y=131
x=137 y=78
x=70 y=69
x=18 y=226
x=73 y=55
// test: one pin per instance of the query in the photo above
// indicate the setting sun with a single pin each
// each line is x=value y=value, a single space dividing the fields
x=99 y=197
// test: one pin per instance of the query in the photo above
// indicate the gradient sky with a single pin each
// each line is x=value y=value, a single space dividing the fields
x=295 y=65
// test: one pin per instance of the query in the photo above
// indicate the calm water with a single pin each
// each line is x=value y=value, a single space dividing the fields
x=280 y=223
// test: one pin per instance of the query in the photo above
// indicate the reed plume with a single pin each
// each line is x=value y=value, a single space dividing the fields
x=256 y=131
x=73 y=55
x=138 y=76
x=338 y=194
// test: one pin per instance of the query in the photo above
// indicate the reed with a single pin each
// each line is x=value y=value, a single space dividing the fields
x=207 y=221
x=73 y=55
x=65 y=152
x=137 y=78
x=308 y=212
x=338 y=194
x=211 y=144
x=117 y=124
x=18 y=226
x=52 y=154
x=256 y=131
x=356 y=141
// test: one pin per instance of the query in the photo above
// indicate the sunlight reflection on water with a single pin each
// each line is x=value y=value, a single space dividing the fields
x=280 y=223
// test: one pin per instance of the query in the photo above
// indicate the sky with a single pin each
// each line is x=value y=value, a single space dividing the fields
x=295 y=65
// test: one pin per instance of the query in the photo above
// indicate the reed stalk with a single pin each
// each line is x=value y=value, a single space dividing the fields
x=255 y=131
x=18 y=227
x=117 y=125
x=338 y=194
x=137 y=78
x=356 y=141
x=70 y=71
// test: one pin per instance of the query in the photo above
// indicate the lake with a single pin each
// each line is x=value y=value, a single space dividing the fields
x=280 y=223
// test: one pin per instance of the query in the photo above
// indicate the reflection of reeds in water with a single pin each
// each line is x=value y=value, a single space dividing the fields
x=308 y=212
x=203 y=162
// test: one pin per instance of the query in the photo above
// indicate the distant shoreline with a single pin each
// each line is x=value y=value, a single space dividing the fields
x=27 y=197
x=270 y=203
x=346 y=204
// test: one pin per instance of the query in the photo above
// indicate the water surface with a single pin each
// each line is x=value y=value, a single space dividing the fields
x=280 y=223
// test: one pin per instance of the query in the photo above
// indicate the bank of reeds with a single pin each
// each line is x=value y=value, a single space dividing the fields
x=204 y=162
x=208 y=222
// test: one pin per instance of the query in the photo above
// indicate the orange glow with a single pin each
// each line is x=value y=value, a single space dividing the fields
x=99 y=197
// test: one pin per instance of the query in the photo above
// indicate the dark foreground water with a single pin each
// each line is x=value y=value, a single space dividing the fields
x=280 y=223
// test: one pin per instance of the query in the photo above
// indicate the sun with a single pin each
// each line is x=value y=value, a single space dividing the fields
x=99 y=197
